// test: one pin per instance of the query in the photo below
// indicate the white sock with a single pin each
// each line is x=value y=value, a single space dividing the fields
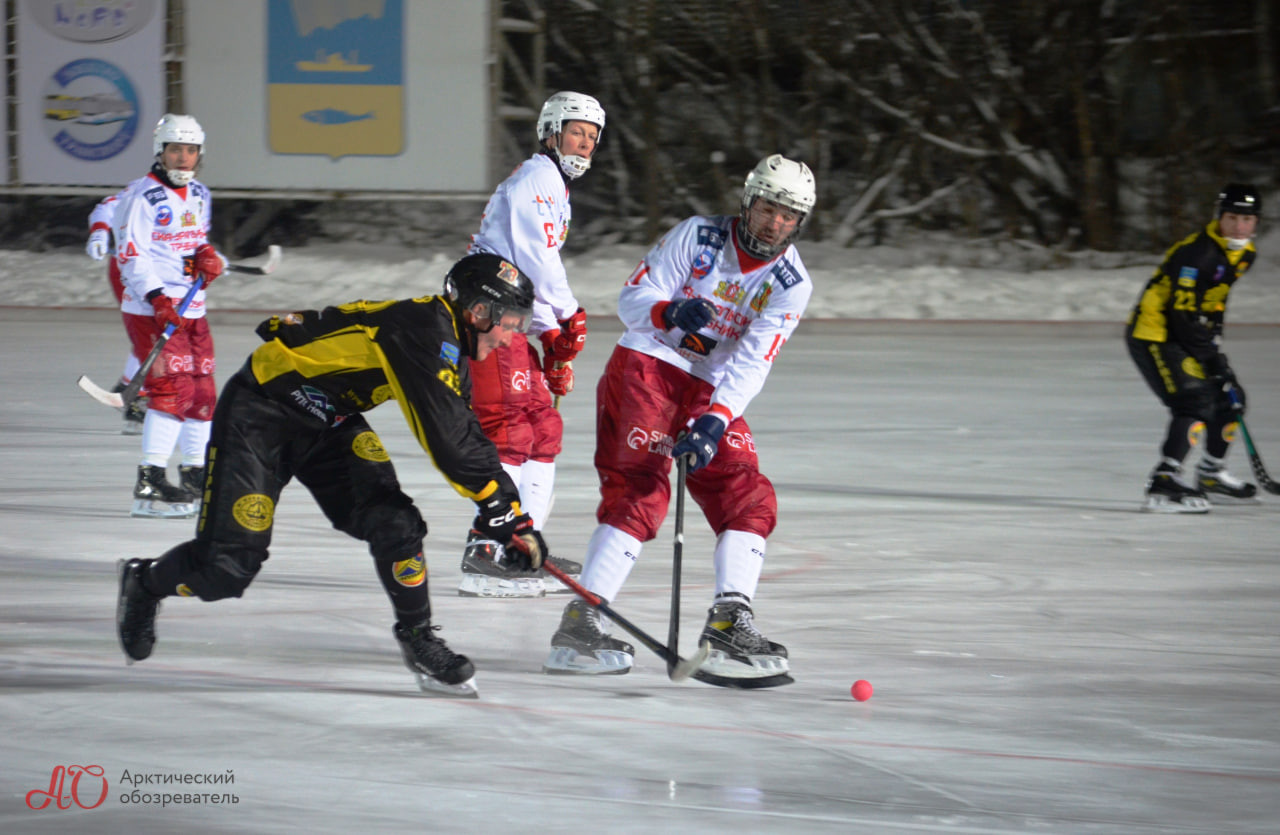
x=537 y=488
x=193 y=438
x=611 y=554
x=159 y=436
x=739 y=560
x=131 y=366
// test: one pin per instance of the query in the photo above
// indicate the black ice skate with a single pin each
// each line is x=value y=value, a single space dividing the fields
x=582 y=646
x=440 y=671
x=1165 y=494
x=568 y=567
x=135 y=611
x=191 y=479
x=482 y=576
x=155 y=497
x=740 y=655
x=1214 y=480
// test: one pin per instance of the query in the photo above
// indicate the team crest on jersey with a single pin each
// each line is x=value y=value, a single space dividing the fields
x=786 y=276
x=164 y=216
x=711 y=236
x=730 y=291
x=761 y=299
x=154 y=195
x=188 y=219
x=411 y=572
x=449 y=353
x=702 y=264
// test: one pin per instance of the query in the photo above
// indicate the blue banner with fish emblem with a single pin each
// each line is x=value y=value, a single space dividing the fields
x=335 y=77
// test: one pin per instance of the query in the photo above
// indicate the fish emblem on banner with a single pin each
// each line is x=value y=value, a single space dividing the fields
x=335 y=77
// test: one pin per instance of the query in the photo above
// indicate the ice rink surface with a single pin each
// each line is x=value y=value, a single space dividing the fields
x=959 y=526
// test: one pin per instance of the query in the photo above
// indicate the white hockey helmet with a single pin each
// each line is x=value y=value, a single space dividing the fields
x=567 y=106
x=783 y=181
x=178 y=127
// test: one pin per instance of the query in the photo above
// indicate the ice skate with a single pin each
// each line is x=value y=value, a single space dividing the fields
x=582 y=646
x=155 y=497
x=135 y=611
x=740 y=655
x=440 y=671
x=191 y=479
x=568 y=567
x=1165 y=494
x=1219 y=485
x=482 y=576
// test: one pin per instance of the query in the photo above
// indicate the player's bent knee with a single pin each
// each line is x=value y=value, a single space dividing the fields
x=227 y=574
x=392 y=528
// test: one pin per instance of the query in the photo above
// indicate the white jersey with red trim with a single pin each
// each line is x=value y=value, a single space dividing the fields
x=157 y=230
x=526 y=222
x=103 y=215
x=758 y=305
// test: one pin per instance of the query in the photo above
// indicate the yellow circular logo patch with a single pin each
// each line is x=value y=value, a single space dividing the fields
x=369 y=447
x=381 y=395
x=254 y=511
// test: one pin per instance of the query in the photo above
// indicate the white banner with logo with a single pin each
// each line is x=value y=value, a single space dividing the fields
x=350 y=95
x=90 y=90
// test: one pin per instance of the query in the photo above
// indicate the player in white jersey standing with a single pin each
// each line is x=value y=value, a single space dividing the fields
x=706 y=312
x=161 y=229
x=101 y=246
x=526 y=222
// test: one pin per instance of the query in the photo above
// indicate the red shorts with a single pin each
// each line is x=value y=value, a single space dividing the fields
x=642 y=404
x=180 y=382
x=511 y=398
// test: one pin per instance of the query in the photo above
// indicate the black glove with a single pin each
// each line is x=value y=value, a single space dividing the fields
x=701 y=442
x=1234 y=395
x=1218 y=366
x=688 y=314
x=523 y=546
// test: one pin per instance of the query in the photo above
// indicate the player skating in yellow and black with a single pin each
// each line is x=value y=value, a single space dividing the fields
x=1175 y=336
x=294 y=410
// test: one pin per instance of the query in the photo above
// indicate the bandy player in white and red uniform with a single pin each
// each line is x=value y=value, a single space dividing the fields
x=101 y=246
x=161 y=229
x=706 y=311
x=526 y=221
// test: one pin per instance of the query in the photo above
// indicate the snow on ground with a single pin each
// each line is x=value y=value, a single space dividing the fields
x=938 y=279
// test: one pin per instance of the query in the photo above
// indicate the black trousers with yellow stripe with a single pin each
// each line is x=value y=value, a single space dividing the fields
x=1194 y=400
x=256 y=447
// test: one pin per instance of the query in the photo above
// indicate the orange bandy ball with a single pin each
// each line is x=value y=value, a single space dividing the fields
x=861 y=690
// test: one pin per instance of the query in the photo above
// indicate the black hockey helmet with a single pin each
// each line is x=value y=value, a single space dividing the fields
x=493 y=282
x=1240 y=199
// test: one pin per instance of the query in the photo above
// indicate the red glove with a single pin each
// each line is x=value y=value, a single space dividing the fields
x=563 y=344
x=166 y=313
x=559 y=377
x=208 y=263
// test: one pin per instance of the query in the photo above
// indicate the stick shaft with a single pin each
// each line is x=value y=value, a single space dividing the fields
x=677 y=558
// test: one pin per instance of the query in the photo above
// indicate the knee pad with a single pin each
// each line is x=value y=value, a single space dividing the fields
x=392 y=526
x=227 y=574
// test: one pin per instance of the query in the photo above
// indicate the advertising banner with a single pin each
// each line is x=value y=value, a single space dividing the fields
x=341 y=95
x=90 y=89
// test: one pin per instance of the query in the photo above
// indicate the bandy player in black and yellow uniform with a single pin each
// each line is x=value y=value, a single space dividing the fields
x=1175 y=336
x=294 y=410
